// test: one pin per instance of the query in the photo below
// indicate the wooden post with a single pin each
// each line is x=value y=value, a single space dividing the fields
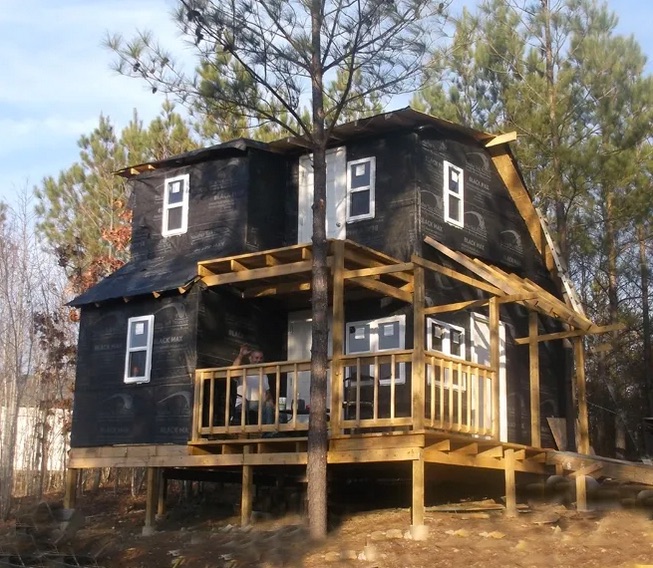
x=509 y=470
x=581 y=493
x=581 y=396
x=197 y=407
x=419 y=361
x=417 y=508
x=70 y=495
x=163 y=493
x=495 y=364
x=534 y=361
x=337 y=336
x=152 y=496
x=247 y=492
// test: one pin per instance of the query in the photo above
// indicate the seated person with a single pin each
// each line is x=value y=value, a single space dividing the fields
x=250 y=389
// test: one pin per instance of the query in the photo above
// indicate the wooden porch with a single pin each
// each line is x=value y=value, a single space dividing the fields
x=447 y=413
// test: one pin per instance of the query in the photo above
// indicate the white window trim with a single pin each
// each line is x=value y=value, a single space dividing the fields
x=460 y=222
x=446 y=349
x=145 y=378
x=371 y=188
x=185 y=178
x=400 y=378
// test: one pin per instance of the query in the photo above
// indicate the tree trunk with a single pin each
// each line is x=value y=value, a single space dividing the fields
x=317 y=431
x=646 y=318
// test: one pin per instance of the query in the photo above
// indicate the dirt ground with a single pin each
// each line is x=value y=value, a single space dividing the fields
x=200 y=532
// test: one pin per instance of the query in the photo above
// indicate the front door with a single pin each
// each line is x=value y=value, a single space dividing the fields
x=336 y=196
x=480 y=347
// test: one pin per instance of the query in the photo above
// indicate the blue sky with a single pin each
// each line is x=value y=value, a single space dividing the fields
x=56 y=76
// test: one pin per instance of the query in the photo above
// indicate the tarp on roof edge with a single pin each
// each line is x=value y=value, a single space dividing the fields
x=138 y=278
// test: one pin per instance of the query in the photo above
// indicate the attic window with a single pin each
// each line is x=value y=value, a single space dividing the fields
x=361 y=176
x=175 y=205
x=138 y=358
x=453 y=194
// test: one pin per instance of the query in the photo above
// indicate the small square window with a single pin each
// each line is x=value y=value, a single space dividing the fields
x=138 y=357
x=361 y=181
x=453 y=194
x=175 y=205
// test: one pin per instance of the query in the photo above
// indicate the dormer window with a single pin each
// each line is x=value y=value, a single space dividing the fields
x=175 y=205
x=453 y=194
x=361 y=176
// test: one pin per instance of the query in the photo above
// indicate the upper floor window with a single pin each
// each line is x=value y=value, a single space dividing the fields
x=361 y=176
x=375 y=336
x=453 y=195
x=175 y=205
x=138 y=358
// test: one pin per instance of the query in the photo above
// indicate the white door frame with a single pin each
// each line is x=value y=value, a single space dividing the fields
x=476 y=354
x=336 y=213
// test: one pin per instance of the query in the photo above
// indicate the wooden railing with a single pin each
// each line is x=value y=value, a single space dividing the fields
x=458 y=395
x=216 y=410
x=374 y=394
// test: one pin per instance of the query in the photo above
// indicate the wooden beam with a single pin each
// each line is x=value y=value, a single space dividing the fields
x=618 y=469
x=337 y=335
x=418 y=382
x=441 y=446
x=247 y=495
x=581 y=396
x=434 y=456
x=270 y=260
x=393 y=268
x=495 y=364
x=70 y=495
x=495 y=452
x=501 y=139
x=469 y=304
x=468 y=449
x=575 y=333
x=358 y=258
x=236 y=266
x=455 y=275
x=417 y=506
x=276 y=289
x=534 y=373
x=509 y=472
x=152 y=496
x=383 y=288
x=586 y=470
x=258 y=273
x=508 y=172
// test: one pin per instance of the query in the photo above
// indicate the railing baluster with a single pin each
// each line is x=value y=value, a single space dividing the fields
x=358 y=391
x=460 y=395
x=393 y=386
x=227 y=402
x=468 y=397
x=375 y=396
x=211 y=402
x=295 y=400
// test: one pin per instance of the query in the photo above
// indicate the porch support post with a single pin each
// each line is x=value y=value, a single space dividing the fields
x=419 y=359
x=417 y=507
x=581 y=396
x=198 y=401
x=495 y=363
x=337 y=335
x=163 y=494
x=151 y=499
x=247 y=492
x=534 y=361
x=70 y=495
x=581 y=493
x=509 y=471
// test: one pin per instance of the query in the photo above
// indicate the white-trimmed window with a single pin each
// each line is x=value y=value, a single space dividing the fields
x=138 y=359
x=376 y=336
x=175 y=205
x=361 y=179
x=453 y=194
x=449 y=340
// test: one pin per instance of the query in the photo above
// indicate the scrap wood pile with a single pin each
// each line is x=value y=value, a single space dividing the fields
x=44 y=535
